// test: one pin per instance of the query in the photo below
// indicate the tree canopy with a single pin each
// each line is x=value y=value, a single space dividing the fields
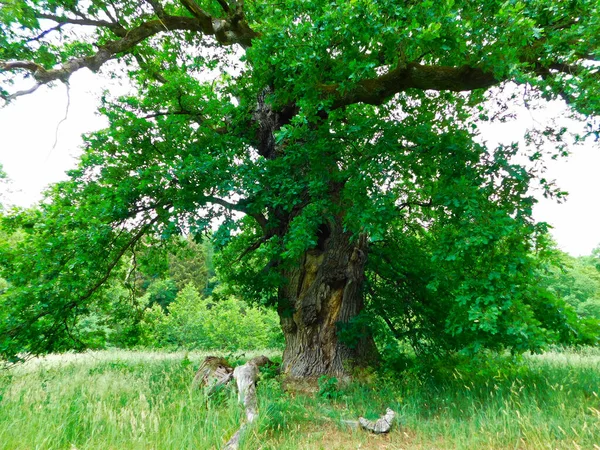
x=336 y=144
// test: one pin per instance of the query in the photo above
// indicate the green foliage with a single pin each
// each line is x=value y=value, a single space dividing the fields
x=162 y=293
x=590 y=308
x=226 y=323
x=191 y=263
x=576 y=280
x=3 y=178
x=328 y=387
x=362 y=111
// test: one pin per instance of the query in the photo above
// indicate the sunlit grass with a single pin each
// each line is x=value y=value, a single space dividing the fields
x=144 y=400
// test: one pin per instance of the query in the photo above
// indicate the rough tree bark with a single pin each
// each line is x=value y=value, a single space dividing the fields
x=323 y=293
x=323 y=290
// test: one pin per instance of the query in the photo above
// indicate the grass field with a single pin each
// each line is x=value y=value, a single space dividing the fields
x=143 y=400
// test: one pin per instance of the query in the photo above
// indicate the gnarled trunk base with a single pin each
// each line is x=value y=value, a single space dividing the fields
x=322 y=297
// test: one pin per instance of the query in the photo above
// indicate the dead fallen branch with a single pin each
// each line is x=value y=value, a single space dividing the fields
x=215 y=372
x=245 y=378
x=379 y=426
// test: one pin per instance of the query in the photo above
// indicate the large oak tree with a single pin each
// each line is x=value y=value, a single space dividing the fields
x=336 y=142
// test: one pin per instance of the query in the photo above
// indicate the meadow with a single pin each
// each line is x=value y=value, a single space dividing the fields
x=144 y=400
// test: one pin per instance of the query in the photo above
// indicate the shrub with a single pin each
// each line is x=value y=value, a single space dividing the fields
x=590 y=308
x=227 y=324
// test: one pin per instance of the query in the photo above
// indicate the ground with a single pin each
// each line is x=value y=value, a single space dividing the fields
x=144 y=400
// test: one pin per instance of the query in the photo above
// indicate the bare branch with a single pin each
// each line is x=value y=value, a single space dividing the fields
x=196 y=11
x=224 y=5
x=225 y=203
x=252 y=247
x=408 y=205
x=113 y=18
x=235 y=26
x=30 y=66
x=157 y=7
x=196 y=117
x=227 y=32
x=24 y=92
x=168 y=113
x=45 y=33
x=82 y=21
x=261 y=219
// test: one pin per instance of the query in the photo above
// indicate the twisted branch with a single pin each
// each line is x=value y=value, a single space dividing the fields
x=228 y=31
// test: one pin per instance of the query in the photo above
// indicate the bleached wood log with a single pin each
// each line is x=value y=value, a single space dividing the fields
x=381 y=425
x=245 y=377
x=212 y=373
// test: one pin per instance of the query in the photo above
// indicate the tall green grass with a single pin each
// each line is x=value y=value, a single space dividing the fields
x=144 y=400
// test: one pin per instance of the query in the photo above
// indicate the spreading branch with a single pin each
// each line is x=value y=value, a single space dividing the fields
x=94 y=288
x=376 y=91
x=30 y=66
x=45 y=33
x=233 y=28
x=228 y=31
x=241 y=207
x=224 y=5
x=157 y=7
x=31 y=90
x=409 y=205
x=194 y=116
x=62 y=20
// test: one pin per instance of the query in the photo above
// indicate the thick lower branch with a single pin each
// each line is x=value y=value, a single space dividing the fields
x=241 y=207
x=375 y=91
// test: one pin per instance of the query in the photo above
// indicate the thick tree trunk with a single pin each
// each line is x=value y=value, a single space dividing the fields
x=324 y=290
x=323 y=293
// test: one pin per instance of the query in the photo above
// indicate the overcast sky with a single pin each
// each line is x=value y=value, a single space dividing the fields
x=28 y=130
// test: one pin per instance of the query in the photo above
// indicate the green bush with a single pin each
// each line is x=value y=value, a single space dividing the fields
x=590 y=308
x=328 y=387
x=194 y=322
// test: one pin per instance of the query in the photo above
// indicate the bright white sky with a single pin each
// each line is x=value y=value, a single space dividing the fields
x=28 y=127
